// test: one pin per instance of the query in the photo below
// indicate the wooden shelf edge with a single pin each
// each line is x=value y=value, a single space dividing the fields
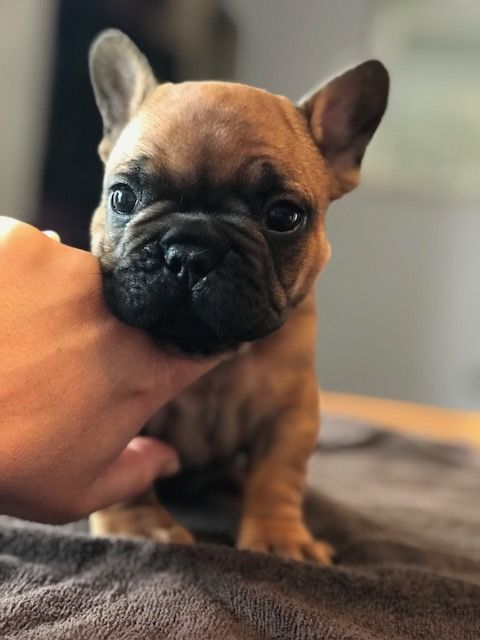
x=435 y=422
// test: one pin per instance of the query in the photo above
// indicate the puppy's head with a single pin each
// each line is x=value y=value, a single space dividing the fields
x=211 y=223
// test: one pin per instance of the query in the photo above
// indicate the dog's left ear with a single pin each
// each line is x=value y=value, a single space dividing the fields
x=121 y=79
x=343 y=116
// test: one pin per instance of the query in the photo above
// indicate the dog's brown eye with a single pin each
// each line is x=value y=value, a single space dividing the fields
x=282 y=217
x=123 y=199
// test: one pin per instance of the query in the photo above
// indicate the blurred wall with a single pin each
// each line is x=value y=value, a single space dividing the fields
x=399 y=305
x=288 y=47
x=25 y=70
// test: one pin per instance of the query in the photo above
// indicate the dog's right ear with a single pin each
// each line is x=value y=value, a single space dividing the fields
x=121 y=79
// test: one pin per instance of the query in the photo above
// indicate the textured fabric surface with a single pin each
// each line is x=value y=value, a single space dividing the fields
x=404 y=516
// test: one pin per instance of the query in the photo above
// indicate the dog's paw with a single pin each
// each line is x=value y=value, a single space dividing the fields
x=176 y=534
x=286 y=539
x=140 y=522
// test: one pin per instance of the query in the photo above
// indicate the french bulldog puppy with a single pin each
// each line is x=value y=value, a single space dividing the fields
x=211 y=234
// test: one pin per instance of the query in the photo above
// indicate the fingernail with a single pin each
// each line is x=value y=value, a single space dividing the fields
x=171 y=466
x=53 y=235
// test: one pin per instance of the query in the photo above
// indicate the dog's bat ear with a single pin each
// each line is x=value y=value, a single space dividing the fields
x=121 y=78
x=343 y=116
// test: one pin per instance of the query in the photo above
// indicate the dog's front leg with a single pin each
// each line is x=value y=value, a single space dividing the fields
x=272 y=518
x=141 y=517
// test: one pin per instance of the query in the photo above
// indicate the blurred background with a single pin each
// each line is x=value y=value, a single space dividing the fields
x=399 y=305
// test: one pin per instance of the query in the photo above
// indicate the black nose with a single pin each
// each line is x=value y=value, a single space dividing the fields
x=192 y=262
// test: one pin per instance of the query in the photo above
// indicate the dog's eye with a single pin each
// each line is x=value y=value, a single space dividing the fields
x=123 y=199
x=283 y=216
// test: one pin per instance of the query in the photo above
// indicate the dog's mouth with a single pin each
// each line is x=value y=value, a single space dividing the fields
x=214 y=315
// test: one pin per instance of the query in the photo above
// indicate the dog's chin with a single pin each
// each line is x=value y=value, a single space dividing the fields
x=204 y=323
x=201 y=341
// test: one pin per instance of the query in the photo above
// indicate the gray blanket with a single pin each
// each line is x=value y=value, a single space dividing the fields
x=404 y=516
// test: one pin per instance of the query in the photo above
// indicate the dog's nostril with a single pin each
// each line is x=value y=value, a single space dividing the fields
x=173 y=261
x=202 y=262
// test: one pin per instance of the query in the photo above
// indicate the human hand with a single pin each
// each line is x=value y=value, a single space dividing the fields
x=76 y=385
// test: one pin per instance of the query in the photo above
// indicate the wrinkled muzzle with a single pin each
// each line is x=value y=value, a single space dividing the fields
x=198 y=285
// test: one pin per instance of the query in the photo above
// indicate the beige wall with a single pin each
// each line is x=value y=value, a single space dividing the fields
x=25 y=48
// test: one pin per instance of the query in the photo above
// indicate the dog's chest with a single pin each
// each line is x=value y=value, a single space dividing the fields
x=215 y=418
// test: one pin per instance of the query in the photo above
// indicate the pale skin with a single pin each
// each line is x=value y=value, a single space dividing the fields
x=76 y=385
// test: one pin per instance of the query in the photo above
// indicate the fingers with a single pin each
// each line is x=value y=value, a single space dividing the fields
x=11 y=225
x=12 y=230
x=23 y=239
x=143 y=460
x=8 y=224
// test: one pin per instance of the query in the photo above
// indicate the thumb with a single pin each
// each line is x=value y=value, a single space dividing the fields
x=175 y=372
x=142 y=460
